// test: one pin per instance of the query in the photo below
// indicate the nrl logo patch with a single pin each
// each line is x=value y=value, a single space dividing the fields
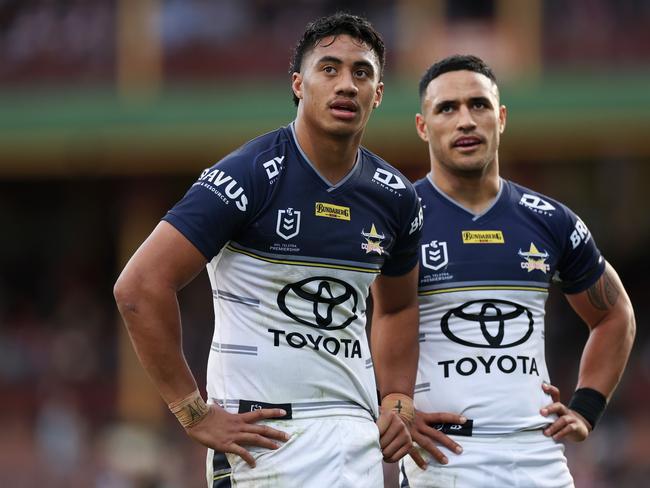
x=434 y=255
x=288 y=224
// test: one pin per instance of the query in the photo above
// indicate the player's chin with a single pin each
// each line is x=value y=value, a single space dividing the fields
x=471 y=164
x=344 y=129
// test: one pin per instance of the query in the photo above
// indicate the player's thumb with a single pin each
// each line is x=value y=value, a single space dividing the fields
x=383 y=422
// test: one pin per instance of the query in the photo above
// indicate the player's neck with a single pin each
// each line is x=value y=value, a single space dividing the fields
x=332 y=156
x=475 y=192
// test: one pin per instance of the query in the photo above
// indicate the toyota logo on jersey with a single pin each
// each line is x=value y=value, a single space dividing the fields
x=488 y=324
x=321 y=302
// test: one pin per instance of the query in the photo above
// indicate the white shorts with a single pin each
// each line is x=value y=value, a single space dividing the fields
x=324 y=452
x=520 y=460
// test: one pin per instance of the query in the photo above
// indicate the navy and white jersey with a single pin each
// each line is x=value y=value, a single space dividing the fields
x=291 y=260
x=484 y=280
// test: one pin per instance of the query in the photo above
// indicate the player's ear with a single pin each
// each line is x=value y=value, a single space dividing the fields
x=421 y=127
x=379 y=95
x=296 y=84
x=503 y=113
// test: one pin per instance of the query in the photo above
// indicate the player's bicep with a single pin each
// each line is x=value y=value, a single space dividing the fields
x=392 y=294
x=165 y=259
x=606 y=296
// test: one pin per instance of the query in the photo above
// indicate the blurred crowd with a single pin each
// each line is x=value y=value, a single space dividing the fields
x=59 y=350
x=45 y=41
x=59 y=329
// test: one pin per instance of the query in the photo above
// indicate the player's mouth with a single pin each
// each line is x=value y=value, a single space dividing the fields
x=344 y=109
x=467 y=143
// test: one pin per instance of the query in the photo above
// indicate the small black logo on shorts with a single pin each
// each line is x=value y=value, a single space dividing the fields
x=246 y=406
x=456 y=429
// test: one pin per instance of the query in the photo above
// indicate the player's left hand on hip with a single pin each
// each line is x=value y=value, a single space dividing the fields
x=429 y=438
x=570 y=425
x=394 y=436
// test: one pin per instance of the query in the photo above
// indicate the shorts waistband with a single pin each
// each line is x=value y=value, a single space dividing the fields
x=298 y=409
x=532 y=435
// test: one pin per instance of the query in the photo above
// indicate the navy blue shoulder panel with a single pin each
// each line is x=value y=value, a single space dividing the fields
x=525 y=237
x=226 y=196
x=581 y=263
x=409 y=213
x=270 y=202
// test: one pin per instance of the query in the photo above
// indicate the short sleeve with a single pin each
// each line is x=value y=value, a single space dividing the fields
x=581 y=264
x=216 y=206
x=404 y=255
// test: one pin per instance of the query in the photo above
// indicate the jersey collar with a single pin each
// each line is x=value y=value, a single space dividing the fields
x=475 y=216
x=330 y=187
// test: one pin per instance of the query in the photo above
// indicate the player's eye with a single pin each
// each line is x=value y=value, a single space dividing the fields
x=361 y=73
x=329 y=70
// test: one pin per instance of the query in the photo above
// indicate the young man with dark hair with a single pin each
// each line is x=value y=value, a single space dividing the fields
x=295 y=228
x=489 y=253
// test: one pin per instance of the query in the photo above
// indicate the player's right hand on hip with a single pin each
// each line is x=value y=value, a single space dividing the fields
x=227 y=432
x=428 y=437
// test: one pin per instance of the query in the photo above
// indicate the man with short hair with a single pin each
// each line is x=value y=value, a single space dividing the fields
x=489 y=253
x=295 y=228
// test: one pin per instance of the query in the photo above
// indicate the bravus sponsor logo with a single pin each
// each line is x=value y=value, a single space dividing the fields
x=224 y=186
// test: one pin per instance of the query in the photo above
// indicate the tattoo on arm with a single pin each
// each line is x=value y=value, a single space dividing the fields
x=604 y=293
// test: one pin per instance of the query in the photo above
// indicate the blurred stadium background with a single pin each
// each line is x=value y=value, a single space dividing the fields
x=110 y=108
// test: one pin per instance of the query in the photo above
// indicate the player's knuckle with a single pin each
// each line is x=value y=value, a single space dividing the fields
x=426 y=443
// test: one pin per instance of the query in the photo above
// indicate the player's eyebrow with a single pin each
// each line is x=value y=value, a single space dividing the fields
x=483 y=100
x=454 y=103
x=330 y=59
x=444 y=103
x=357 y=64
x=364 y=64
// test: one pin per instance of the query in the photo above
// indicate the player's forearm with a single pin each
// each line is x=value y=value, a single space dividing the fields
x=395 y=350
x=152 y=318
x=607 y=350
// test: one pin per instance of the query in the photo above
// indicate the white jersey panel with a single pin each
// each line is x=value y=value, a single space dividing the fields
x=277 y=333
x=483 y=357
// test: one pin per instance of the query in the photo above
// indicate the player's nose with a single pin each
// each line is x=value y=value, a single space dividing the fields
x=465 y=119
x=346 y=84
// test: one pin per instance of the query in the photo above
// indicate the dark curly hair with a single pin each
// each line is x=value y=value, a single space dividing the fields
x=333 y=25
x=457 y=62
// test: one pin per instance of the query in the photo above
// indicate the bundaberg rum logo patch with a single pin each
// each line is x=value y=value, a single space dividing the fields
x=331 y=211
x=482 y=237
